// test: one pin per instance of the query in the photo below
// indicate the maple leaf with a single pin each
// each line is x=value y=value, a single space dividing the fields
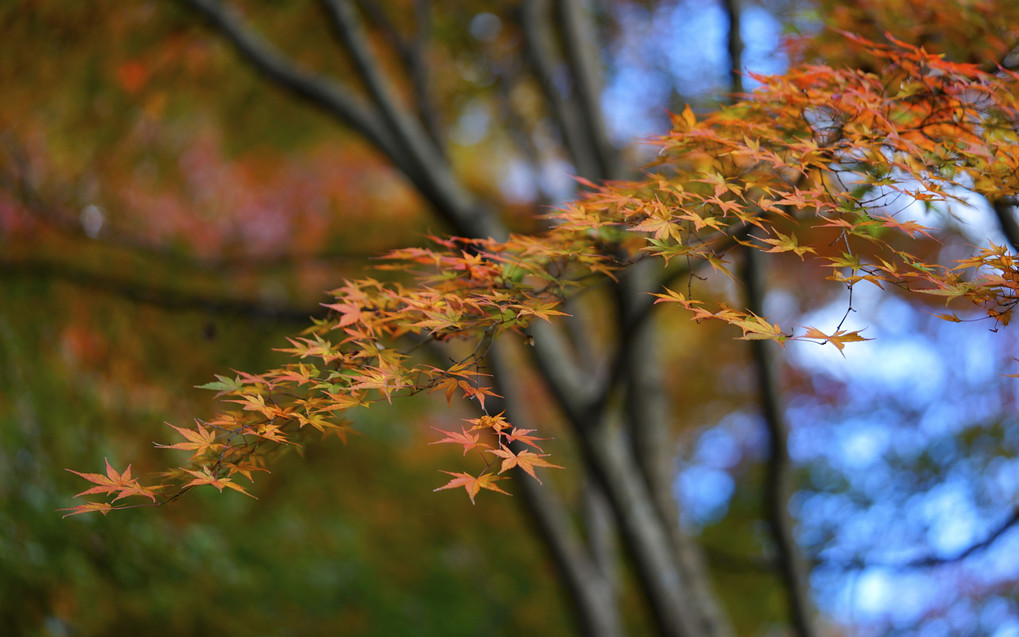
x=245 y=468
x=350 y=313
x=320 y=422
x=204 y=476
x=497 y=422
x=273 y=433
x=784 y=243
x=756 y=328
x=343 y=401
x=526 y=460
x=523 y=436
x=223 y=385
x=838 y=339
x=201 y=440
x=473 y=484
x=466 y=438
x=541 y=310
x=659 y=228
x=688 y=117
x=251 y=402
x=113 y=482
x=384 y=381
x=671 y=296
x=299 y=374
x=479 y=393
x=101 y=507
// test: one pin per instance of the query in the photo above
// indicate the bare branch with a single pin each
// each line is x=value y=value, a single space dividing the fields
x=421 y=78
x=517 y=128
x=648 y=418
x=779 y=478
x=991 y=538
x=1004 y=210
x=583 y=55
x=930 y=561
x=162 y=297
x=670 y=595
x=343 y=17
x=420 y=151
x=413 y=56
x=601 y=532
x=590 y=588
x=539 y=48
x=401 y=140
x=334 y=98
x=735 y=46
x=673 y=605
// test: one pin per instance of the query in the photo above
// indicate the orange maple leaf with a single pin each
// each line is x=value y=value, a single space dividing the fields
x=526 y=460
x=523 y=435
x=466 y=438
x=102 y=507
x=838 y=339
x=473 y=484
x=113 y=482
x=205 y=477
x=496 y=422
x=350 y=313
x=245 y=468
x=201 y=440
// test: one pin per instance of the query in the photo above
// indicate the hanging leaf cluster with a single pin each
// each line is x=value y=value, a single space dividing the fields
x=824 y=164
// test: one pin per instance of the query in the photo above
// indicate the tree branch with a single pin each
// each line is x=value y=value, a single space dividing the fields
x=25 y=194
x=538 y=47
x=406 y=146
x=1004 y=210
x=419 y=150
x=991 y=538
x=611 y=460
x=164 y=298
x=583 y=55
x=335 y=99
x=413 y=57
x=930 y=561
x=590 y=587
x=601 y=531
x=648 y=418
x=734 y=41
x=343 y=17
x=779 y=478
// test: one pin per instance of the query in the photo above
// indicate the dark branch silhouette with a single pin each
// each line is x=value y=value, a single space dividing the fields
x=779 y=477
x=166 y=298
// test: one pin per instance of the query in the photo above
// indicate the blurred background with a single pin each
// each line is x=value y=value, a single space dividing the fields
x=166 y=215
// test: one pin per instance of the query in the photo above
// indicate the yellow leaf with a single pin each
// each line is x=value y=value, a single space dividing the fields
x=689 y=117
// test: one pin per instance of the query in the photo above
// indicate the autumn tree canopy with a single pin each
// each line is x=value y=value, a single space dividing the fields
x=582 y=334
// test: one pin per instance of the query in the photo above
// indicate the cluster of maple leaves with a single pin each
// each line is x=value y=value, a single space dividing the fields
x=816 y=162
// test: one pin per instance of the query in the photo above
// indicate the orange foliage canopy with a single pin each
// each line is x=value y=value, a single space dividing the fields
x=816 y=163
